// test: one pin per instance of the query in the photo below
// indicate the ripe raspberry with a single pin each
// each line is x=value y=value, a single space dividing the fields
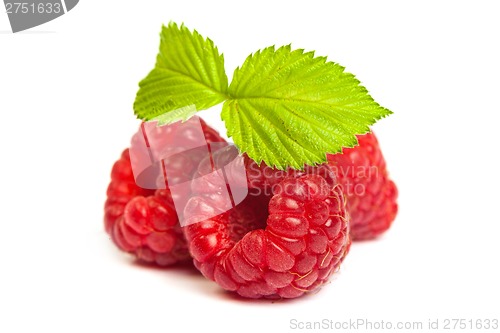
x=371 y=195
x=283 y=244
x=144 y=222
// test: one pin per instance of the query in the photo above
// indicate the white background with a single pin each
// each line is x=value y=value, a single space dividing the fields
x=66 y=94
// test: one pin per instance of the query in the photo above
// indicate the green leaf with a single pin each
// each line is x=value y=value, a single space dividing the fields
x=289 y=108
x=284 y=107
x=182 y=114
x=189 y=73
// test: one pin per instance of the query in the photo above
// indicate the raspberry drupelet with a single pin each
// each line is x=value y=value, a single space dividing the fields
x=293 y=233
x=144 y=222
x=371 y=194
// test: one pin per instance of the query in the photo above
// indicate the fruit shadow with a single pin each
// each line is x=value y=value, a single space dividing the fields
x=190 y=278
x=186 y=268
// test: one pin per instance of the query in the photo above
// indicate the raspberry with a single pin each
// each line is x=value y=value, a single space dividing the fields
x=371 y=195
x=281 y=243
x=144 y=222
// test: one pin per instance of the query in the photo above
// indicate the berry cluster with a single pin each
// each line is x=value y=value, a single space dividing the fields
x=290 y=233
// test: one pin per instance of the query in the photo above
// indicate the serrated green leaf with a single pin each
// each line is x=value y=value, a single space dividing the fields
x=189 y=72
x=284 y=107
x=181 y=114
x=289 y=108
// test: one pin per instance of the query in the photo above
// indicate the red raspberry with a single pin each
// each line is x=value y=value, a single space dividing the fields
x=283 y=244
x=371 y=195
x=144 y=222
